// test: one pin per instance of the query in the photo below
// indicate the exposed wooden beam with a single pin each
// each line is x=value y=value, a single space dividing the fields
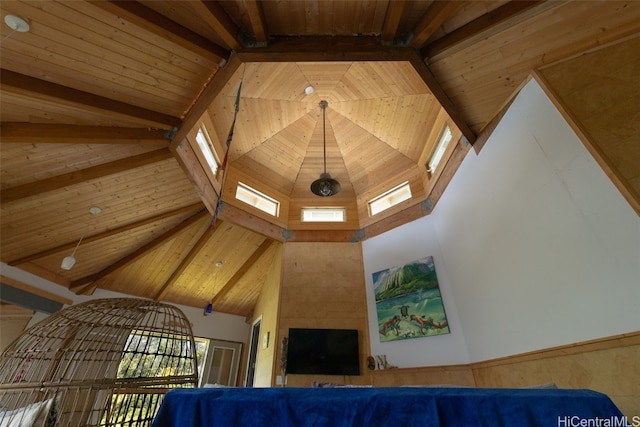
x=323 y=236
x=395 y=9
x=215 y=16
x=486 y=25
x=194 y=171
x=255 y=256
x=21 y=84
x=158 y=24
x=323 y=48
x=213 y=88
x=437 y=91
x=78 y=284
x=420 y=210
x=87 y=289
x=256 y=17
x=71 y=178
x=191 y=255
x=37 y=291
x=438 y=12
x=359 y=48
x=34 y=133
x=105 y=234
x=245 y=219
x=488 y=129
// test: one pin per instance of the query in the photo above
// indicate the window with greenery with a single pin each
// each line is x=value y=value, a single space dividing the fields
x=147 y=356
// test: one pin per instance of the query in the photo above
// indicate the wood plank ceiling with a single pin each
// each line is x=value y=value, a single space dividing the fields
x=100 y=102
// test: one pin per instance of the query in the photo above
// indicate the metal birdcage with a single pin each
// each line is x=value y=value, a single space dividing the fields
x=106 y=362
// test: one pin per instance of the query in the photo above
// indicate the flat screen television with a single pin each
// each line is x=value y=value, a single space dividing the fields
x=323 y=352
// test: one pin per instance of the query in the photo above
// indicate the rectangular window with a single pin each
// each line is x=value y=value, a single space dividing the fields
x=324 y=215
x=202 y=138
x=390 y=198
x=257 y=199
x=441 y=147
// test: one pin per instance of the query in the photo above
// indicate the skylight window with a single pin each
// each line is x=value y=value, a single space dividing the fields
x=390 y=198
x=324 y=215
x=202 y=138
x=257 y=199
x=441 y=147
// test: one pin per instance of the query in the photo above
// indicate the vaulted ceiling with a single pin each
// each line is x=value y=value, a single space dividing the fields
x=100 y=103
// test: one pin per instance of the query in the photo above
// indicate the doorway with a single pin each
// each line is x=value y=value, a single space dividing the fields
x=222 y=363
x=253 y=352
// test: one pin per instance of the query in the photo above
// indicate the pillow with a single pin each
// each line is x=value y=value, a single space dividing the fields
x=31 y=415
x=544 y=386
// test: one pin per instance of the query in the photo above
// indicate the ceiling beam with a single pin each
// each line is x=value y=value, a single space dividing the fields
x=437 y=91
x=245 y=219
x=78 y=284
x=76 y=177
x=158 y=24
x=207 y=96
x=33 y=133
x=33 y=290
x=32 y=87
x=323 y=48
x=420 y=210
x=218 y=20
x=256 y=18
x=395 y=10
x=438 y=12
x=186 y=261
x=255 y=256
x=360 y=48
x=105 y=234
x=486 y=25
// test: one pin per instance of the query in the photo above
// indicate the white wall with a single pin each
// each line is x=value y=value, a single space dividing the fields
x=218 y=325
x=398 y=247
x=533 y=245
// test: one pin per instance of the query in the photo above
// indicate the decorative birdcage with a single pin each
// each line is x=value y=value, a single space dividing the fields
x=106 y=362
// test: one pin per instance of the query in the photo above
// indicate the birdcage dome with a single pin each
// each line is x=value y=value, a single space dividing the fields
x=104 y=362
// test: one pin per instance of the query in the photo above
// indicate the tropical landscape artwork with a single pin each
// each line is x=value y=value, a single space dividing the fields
x=408 y=301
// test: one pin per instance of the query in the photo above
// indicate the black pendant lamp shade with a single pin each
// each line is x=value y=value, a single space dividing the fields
x=324 y=186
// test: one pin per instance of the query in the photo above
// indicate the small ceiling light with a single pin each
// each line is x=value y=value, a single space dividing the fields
x=325 y=186
x=69 y=261
x=218 y=264
x=309 y=90
x=16 y=23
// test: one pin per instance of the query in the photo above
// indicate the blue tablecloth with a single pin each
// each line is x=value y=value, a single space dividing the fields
x=393 y=407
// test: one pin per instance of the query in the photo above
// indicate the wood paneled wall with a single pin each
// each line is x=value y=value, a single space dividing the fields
x=267 y=309
x=323 y=287
x=599 y=93
x=610 y=365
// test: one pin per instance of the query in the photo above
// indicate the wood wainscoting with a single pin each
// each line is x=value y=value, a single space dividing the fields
x=609 y=365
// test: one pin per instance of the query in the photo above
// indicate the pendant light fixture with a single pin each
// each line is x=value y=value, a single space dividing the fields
x=324 y=186
x=208 y=309
x=69 y=261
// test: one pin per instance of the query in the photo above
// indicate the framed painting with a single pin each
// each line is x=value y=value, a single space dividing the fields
x=408 y=301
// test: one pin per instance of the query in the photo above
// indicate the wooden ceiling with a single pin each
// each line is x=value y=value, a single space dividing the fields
x=100 y=102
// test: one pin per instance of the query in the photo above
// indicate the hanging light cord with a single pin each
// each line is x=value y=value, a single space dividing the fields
x=78 y=245
x=323 y=105
x=223 y=168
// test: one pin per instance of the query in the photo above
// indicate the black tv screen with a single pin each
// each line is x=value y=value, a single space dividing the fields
x=323 y=352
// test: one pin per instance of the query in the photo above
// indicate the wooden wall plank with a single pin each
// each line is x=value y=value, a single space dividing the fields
x=600 y=103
